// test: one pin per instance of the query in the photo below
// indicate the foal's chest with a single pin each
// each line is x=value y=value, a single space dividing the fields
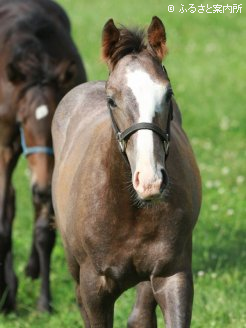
x=136 y=247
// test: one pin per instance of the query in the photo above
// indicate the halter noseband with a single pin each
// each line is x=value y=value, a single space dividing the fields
x=33 y=150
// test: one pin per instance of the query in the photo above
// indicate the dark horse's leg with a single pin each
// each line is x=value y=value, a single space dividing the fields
x=43 y=243
x=33 y=266
x=8 y=279
x=143 y=314
x=41 y=166
x=32 y=269
x=174 y=294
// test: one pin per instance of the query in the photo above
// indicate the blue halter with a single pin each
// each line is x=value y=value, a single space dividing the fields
x=33 y=150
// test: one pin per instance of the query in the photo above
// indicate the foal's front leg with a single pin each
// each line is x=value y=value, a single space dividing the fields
x=98 y=295
x=143 y=314
x=174 y=295
x=8 y=276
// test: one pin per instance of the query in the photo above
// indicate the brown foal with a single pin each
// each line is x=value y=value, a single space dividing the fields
x=126 y=186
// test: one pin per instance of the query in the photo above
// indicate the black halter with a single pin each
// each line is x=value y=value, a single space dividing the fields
x=122 y=137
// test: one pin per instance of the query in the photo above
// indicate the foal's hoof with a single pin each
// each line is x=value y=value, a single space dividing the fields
x=32 y=270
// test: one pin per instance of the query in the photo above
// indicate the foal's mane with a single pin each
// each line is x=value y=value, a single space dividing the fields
x=29 y=56
x=131 y=41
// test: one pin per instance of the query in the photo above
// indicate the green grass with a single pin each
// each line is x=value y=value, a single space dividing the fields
x=207 y=67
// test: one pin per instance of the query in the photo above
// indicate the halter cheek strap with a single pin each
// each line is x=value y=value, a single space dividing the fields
x=122 y=137
x=33 y=150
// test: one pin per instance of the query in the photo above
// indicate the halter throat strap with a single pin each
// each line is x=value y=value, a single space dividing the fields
x=33 y=150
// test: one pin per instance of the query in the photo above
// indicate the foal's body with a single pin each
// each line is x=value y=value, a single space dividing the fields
x=122 y=241
x=112 y=245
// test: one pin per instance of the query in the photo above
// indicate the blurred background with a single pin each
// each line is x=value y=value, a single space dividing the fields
x=207 y=67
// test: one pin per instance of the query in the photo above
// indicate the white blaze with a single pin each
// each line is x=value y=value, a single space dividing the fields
x=148 y=93
x=41 y=112
x=149 y=96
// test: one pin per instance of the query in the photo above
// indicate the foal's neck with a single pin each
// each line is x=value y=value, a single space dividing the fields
x=119 y=171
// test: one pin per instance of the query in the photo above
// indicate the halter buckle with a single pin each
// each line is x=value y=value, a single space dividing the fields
x=121 y=142
x=166 y=147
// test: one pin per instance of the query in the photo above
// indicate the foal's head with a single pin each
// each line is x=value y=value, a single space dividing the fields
x=138 y=91
x=38 y=82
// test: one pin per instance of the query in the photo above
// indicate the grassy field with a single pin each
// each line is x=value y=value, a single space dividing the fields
x=208 y=72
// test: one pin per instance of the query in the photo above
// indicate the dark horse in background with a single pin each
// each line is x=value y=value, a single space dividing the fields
x=39 y=64
x=127 y=197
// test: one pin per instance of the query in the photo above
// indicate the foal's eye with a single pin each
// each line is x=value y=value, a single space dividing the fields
x=111 y=103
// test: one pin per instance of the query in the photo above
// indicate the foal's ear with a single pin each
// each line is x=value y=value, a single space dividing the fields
x=67 y=72
x=25 y=61
x=14 y=73
x=157 y=38
x=110 y=36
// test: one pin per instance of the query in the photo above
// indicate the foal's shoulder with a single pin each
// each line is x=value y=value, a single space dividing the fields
x=95 y=89
x=83 y=98
x=88 y=89
x=82 y=94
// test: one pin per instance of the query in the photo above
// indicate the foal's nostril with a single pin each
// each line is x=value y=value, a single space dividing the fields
x=136 y=179
x=164 y=180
